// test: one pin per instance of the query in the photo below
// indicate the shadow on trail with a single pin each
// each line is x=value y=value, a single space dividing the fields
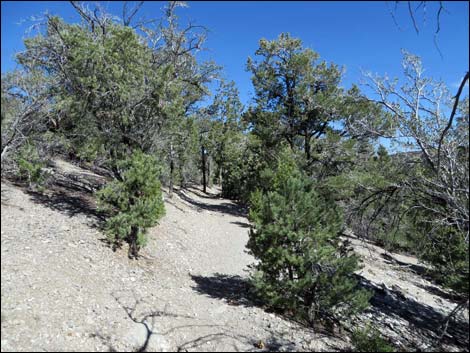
x=417 y=269
x=171 y=202
x=235 y=290
x=242 y=224
x=450 y=296
x=224 y=208
x=69 y=203
x=201 y=194
x=134 y=308
x=71 y=195
x=428 y=274
x=238 y=291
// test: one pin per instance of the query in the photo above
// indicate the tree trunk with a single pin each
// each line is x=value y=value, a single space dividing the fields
x=133 y=246
x=307 y=146
x=208 y=172
x=183 y=178
x=114 y=169
x=291 y=274
x=170 y=188
x=203 y=158
x=172 y=168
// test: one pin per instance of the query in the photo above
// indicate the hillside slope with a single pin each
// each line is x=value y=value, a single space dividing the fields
x=63 y=288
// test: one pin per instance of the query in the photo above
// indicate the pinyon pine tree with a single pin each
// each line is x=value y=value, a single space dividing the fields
x=135 y=201
x=302 y=268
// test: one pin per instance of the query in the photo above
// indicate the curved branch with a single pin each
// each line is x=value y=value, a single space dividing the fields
x=451 y=119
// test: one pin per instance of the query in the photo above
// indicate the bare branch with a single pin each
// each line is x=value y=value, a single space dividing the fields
x=126 y=19
x=410 y=10
x=451 y=118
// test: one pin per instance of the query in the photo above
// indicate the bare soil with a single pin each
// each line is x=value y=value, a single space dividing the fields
x=64 y=289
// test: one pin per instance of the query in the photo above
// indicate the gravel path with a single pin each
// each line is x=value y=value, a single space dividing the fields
x=64 y=289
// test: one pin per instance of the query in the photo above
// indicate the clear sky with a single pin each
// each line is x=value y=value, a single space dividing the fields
x=354 y=34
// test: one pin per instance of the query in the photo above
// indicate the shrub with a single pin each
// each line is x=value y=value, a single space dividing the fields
x=446 y=248
x=31 y=166
x=369 y=340
x=135 y=201
x=295 y=236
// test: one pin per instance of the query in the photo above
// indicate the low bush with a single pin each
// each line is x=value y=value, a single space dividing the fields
x=135 y=201
x=369 y=340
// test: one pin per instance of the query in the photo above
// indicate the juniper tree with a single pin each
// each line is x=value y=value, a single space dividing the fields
x=295 y=94
x=177 y=46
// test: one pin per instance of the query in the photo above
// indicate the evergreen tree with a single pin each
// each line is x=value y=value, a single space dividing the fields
x=226 y=125
x=296 y=96
x=135 y=202
x=302 y=267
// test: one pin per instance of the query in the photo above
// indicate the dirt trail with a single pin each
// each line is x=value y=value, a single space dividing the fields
x=64 y=289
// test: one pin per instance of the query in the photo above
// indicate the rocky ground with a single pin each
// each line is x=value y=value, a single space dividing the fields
x=63 y=288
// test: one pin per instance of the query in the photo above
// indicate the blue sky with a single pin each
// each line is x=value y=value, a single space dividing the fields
x=358 y=35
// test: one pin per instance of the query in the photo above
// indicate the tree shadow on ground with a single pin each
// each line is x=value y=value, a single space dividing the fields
x=238 y=291
x=225 y=207
x=69 y=203
x=423 y=320
x=135 y=311
x=447 y=295
x=203 y=195
x=242 y=224
x=424 y=272
x=105 y=339
x=417 y=269
x=171 y=201
x=235 y=290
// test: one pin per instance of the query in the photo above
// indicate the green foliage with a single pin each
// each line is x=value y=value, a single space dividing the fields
x=235 y=172
x=31 y=166
x=101 y=90
x=243 y=163
x=225 y=133
x=295 y=236
x=369 y=340
x=90 y=150
x=365 y=189
x=135 y=201
x=448 y=252
x=297 y=96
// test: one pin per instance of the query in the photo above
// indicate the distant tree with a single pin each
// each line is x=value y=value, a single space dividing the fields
x=186 y=86
x=226 y=125
x=299 y=101
x=296 y=96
